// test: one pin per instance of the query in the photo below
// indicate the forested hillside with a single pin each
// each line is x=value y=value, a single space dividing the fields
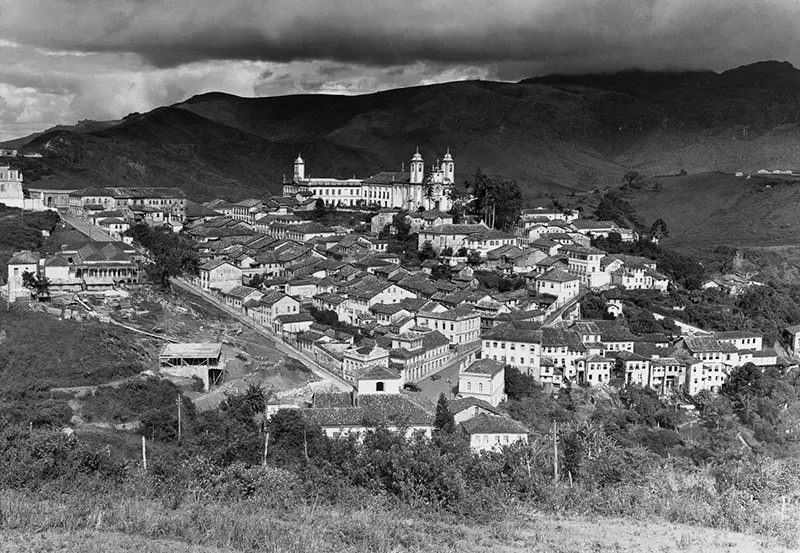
x=553 y=134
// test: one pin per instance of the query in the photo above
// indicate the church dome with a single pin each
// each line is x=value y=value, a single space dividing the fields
x=417 y=156
x=299 y=159
x=447 y=156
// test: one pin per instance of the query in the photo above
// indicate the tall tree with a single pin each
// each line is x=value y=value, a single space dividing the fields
x=427 y=186
x=659 y=229
x=501 y=195
x=402 y=225
x=319 y=208
x=445 y=422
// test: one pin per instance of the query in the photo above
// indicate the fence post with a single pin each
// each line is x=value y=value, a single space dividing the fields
x=555 y=452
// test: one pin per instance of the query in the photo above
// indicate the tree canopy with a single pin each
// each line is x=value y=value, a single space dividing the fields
x=502 y=194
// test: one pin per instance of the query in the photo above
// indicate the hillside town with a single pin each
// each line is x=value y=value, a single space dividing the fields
x=394 y=331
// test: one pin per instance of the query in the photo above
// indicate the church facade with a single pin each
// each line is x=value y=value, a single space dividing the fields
x=12 y=193
x=402 y=189
x=11 y=187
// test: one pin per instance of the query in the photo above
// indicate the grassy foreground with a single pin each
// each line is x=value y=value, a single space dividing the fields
x=72 y=524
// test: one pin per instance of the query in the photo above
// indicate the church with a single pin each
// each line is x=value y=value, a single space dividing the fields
x=11 y=187
x=12 y=193
x=410 y=190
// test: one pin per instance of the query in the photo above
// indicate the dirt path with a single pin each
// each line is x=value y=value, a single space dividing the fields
x=279 y=345
x=80 y=391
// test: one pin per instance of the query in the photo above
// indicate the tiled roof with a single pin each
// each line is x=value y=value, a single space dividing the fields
x=24 y=258
x=517 y=331
x=590 y=224
x=272 y=298
x=375 y=409
x=450 y=228
x=506 y=250
x=702 y=344
x=557 y=275
x=378 y=372
x=388 y=177
x=460 y=404
x=387 y=308
x=484 y=366
x=240 y=291
x=294 y=318
x=736 y=334
x=431 y=215
x=586 y=250
x=492 y=424
x=213 y=264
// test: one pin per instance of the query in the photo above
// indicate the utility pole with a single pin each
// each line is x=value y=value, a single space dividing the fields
x=144 y=454
x=555 y=452
x=266 y=446
x=179 y=417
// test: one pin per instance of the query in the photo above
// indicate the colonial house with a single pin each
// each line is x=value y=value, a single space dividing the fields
x=292 y=324
x=245 y=210
x=558 y=283
x=386 y=314
x=585 y=263
x=265 y=310
x=466 y=408
x=461 y=325
x=741 y=339
x=601 y=229
x=357 y=358
x=483 y=379
x=239 y=295
x=382 y=218
x=368 y=292
x=20 y=263
x=449 y=235
x=424 y=219
x=301 y=288
x=597 y=370
x=487 y=240
x=378 y=402
x=91 y=266
x=493 y=432
x=220 y=275
x=419 y=354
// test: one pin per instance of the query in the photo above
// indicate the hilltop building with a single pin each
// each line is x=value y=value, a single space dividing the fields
x=409 y=190
x=12 y=193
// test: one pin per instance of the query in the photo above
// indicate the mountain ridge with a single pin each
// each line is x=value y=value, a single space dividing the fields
x=554 y=134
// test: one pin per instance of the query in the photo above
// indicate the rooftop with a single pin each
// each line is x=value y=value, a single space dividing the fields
x=484 y=366
x=492 y=424
x=191 y=351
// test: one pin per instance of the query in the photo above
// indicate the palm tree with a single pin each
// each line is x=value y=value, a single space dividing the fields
x=43 y=287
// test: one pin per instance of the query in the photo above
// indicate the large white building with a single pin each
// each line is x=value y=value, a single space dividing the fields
x=11 y=192
x=409 y=190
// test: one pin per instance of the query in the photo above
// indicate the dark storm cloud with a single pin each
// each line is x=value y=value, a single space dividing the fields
x=522 y=34
x=65 y=60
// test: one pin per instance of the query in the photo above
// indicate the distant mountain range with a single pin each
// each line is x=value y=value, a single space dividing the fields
x=553 y=134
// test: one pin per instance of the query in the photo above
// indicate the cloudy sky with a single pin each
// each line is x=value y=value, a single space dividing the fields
x=62 y=61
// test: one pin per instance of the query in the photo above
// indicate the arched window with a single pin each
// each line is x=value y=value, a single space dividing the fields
x=480 y=386
x=379 y=386
x=469 y=386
